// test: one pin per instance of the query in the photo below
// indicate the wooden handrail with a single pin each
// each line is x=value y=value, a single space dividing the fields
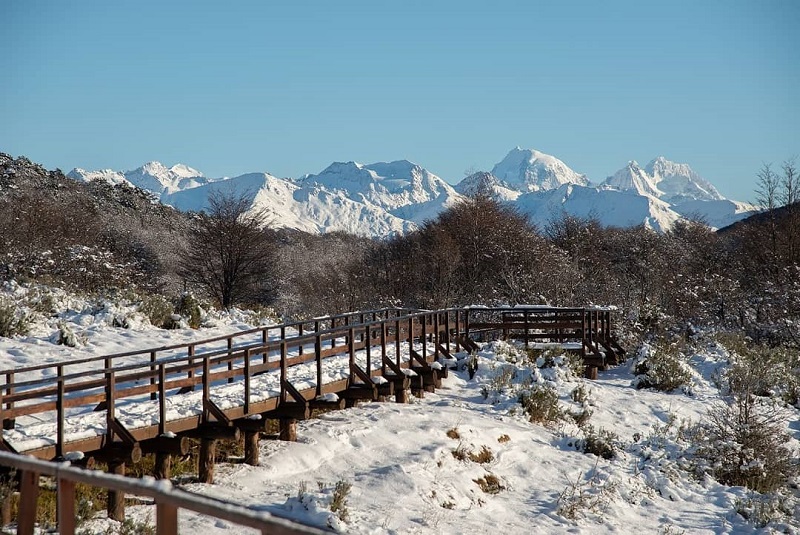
x=154 y=376
x=168 y=499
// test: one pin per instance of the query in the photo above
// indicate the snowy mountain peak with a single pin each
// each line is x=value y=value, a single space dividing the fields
x=680 y=183
x=531 y=170
x=634 y=179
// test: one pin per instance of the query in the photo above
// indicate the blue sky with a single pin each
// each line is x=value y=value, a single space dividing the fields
x=287 y=88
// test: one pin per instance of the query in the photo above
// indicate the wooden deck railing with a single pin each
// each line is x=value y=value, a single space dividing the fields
x=167 y=499
x=364 y=345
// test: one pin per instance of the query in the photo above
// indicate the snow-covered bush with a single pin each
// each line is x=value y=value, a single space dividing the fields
x=540 y=403
x=158 y=310
x=744 y=443
x=189 y=307
x=13 y=321
x=661 y=367
x=761 y=510
x=600 y=442
x=588 y=495
x=764 y=371
x=66 y=336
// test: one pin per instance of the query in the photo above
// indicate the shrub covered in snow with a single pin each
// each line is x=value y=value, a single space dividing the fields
x=661 y=367
x=744 y=442
x=13 y=321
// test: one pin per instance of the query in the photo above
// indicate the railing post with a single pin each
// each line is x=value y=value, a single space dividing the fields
x=162 y=399
x=190 y=351
x=351 y=349
x=206 y=388
x=527 y=329
x=28 y=500
x=318 y=357
x=410 y=342
x=153 y=370
x=435 y=335
x=60 y=413
x=397 y=342
x=458 y=330
x=247 y=381
x=366 y=335
x=166 y=519
x=9 y=423
x=383 y=346
x=65 y=506
x=230 y=359
x=300 y=334
x=110 y=387
x=283 y=370
x=424 y=336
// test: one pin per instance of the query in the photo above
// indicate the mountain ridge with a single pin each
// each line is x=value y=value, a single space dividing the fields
x=386 y=198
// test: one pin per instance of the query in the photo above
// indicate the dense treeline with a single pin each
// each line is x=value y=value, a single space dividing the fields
x=97 y=237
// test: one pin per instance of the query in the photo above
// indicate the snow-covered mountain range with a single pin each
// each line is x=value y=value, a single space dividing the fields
x=382 y=199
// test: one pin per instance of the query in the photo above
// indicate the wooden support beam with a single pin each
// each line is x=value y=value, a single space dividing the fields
x=119 y=452
x=115 y=505
x=205 y=460
x=401 y=395
x=162 y=469
x=172 y=445
x=591 y=372
x=326 y=405
x=214 y=431
x=65 y=507
x=288 y=429
x=251 y=451
x=363 y=392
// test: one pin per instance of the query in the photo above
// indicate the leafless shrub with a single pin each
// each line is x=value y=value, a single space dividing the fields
x=584 y=495
x=744 y=443
x=339 y=499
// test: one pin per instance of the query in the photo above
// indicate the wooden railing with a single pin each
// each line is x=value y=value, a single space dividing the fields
x=143 y=376
x=382 y=343
x=167 y=499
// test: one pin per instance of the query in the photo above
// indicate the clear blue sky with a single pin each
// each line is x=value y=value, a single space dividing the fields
x=235 y=87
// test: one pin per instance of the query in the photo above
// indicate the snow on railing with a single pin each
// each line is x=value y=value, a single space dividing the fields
x=168 y=499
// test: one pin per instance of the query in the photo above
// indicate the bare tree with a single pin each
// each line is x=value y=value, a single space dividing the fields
x=230 y=252
x=767 y=187
x=791 y=182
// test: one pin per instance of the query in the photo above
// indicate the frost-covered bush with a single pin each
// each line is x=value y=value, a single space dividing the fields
x=761 y=510
x=661 y=367
x=744 y=443
x=764 y=371
x=600 y=442
x=540 y=404
x=189 y=307
x=66 y=336
x=158 y=310
x=13 y=321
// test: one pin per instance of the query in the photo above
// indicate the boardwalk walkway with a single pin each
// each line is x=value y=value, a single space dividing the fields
x=116 y=407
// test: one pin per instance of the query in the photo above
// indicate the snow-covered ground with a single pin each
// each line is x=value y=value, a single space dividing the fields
x=409 y=467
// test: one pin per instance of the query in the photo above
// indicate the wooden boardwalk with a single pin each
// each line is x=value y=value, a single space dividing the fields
x=117 y=407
